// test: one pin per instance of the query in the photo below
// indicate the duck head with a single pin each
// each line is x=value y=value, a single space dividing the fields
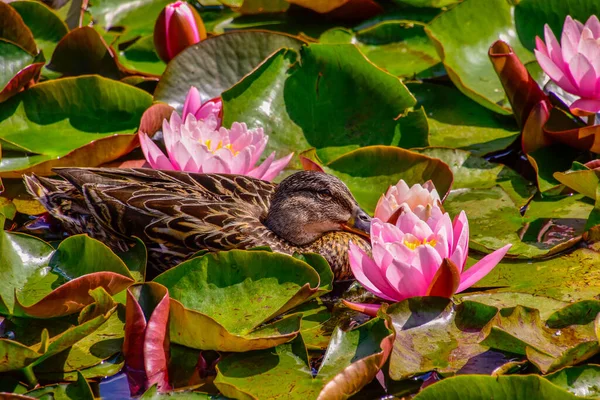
x=308 y=204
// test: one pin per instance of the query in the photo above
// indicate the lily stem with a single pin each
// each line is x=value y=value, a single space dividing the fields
x=30 y=376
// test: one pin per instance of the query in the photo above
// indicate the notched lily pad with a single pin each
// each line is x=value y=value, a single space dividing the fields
x=233 y=295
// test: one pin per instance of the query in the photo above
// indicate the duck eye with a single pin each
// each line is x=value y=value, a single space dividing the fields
x=324 y=195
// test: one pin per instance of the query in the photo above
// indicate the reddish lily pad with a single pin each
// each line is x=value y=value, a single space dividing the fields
x=351 y=361
x=19 y=69
x=93 y=55
x=88 y=120
x=14 y=29
x=146 y=346
x=232 y=294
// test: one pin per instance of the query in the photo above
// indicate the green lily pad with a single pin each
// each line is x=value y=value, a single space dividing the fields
x=45 y=25
x=55 y=121
x=521 y=330
x=457 y=121
x=434 y=334
x=546 y=306
x=582 y=380
x=532 y=15
x=216 y=64
x=583 y=181
x=351 y=361
x=580 y=313
x=463 y=35
x=369 y=172
x=471 y=171
x=135 y=17
x=429 y=3
x=548 y=227
x=105 y=369
x=477 y=387
x=153 y=394
x=232 y=294
x=141 y=56
x=383 y=42
x=79 y=265
x=570 y=277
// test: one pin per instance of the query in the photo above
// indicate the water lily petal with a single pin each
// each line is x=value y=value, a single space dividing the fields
x=588 y=105
x=368 y=274
x=593 y=24
x=553 y=47
x=259 y=171
x=365 y=308
x=555 y=73
x=584 y=75
x=406 y=280
x=427 y=261
x=193 y=103
x=570 y=39
x=276 y=167
x=481 y=268
x=155 y=157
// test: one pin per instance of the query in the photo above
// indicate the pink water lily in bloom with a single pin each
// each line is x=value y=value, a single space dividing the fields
x=418 y=258
x=202 y=146
x=202 y=110
x=574 y=63
x=420 y=199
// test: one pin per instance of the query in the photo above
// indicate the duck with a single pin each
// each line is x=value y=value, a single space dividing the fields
x=177 y=214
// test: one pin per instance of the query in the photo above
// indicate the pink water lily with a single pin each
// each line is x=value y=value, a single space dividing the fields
x=202 y=110
x=178 y=26
x=202 y=146
x=419 y=258
x=574 y=63
x=418 y=198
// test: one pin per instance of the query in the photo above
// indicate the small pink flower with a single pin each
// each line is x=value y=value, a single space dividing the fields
x=194 y=105
x=418 y=199
x=201 y=145
x=178 y=26
x=408 y=257
x=574 y=63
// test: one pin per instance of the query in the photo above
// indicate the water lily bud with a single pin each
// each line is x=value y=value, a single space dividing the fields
x=177 y=27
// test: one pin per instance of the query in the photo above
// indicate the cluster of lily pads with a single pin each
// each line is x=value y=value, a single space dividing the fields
x=373 y=92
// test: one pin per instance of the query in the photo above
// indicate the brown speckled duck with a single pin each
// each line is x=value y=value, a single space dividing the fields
x=177 y=214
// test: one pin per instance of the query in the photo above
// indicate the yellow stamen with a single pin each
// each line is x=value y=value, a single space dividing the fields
x=416 y=243
x=208 y=143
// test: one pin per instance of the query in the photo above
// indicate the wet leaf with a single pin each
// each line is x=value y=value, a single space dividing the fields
x=582 y=381
x=432 y=333
x=141 y=56
x=462 y=33
x=476 y=387
x=521 y=330
x=232 y=299
x=218 y=63
x=351 y=361
x=78 y=390
x=89 y=120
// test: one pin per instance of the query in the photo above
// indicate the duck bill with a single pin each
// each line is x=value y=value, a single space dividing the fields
x=359 y=224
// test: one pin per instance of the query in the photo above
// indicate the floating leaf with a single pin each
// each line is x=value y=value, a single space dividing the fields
x=582 y=381
x=521 y=330
x=217 y=63
x=46 y=27
x=570 y=277
x=546 y=306
x=461 y=35
x=13 y=29
x=382 y=43
x=78 y=390
x=88 y=119
x=476 y=387
x=80 y=264
x=231 y=297
x=91 y=51
x=141 y=56
x=457 y=121
x=351 y=361
x=434 y=334
x=19 y=68
x=369 y=172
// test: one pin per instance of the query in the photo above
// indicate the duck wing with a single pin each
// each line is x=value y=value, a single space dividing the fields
x=176 y=211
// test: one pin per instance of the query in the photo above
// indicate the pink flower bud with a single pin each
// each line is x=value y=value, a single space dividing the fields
x=177 y=27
